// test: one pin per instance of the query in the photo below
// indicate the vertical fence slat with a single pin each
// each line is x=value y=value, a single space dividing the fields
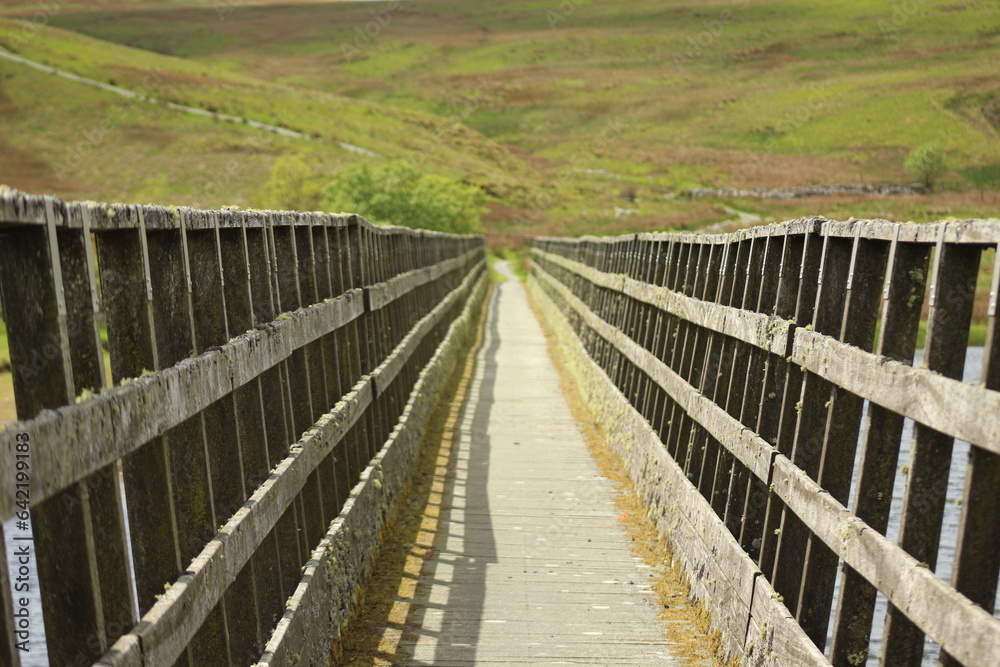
x=331 y=371
x=290 y=298
x=902 y=298
x=766 y=383
x=714 y=378
x=363 y=343
x=100 y=494
x=224 y=435
x=731 y=387
x=128 y=307
x=265 y=309
x=278 y=564
x=308 y=295
x=198 y=486
x=783 y=380
x=745 y=390
x=186 y=442
x=843 y=424
x=977 y=550
x=281 y=412
x=347 y=361
x=308 y=372
x=36 y=317
x=953 y=291
x=263 y=584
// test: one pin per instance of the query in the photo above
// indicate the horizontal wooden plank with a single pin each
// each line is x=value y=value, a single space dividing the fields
x=774 y=637
x=126 y=652
x=950 y=406
x=764 y=331
x=390 y=368
x=77 y=440
x=380 y=295
x=966 y=631
x=980 y=232
x=752 y=450
x=168 y=627
x=20 y=208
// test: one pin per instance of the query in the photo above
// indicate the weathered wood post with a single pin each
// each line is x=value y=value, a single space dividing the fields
x=49 y=307
x=977 y=556
x=902 y=301
x=952 y=293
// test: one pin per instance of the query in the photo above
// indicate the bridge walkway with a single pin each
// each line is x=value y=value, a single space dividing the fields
x=527 y=561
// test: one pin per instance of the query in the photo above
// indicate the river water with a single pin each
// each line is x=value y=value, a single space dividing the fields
x=37 y=657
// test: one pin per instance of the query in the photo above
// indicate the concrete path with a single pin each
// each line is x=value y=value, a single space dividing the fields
x=503 y=267
x=533 y=567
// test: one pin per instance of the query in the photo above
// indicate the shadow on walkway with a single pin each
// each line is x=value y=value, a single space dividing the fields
x=454 y=584
x=425 y=601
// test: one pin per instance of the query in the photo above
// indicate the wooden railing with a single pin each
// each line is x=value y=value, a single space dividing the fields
x=736 y=372
x=271 y=373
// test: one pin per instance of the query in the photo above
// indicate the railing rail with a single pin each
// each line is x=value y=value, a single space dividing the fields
x=748 y=360
x=261 y=365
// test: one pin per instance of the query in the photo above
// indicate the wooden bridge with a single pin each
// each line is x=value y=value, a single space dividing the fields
x=220 y=497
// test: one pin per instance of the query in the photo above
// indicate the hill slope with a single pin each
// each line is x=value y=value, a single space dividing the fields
x=78 y=133
x=601 y=114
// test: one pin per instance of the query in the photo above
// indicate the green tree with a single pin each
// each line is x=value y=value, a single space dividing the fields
x=292 y=186
x=925 y=164
x=400 y=194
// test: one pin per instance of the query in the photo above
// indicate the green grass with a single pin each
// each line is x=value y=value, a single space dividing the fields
x=4 y=349
x=785 y=93
x=977 y=334
x=328 y=118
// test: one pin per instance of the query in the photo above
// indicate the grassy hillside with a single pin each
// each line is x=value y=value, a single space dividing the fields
x=64 y=127
x=589 y=116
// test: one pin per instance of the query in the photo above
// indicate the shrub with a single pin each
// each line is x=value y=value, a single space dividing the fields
x=925 y=164
x=399 y=194
x=292 y=186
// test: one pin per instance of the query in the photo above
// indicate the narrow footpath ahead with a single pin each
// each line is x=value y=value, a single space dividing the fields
x=530 y=563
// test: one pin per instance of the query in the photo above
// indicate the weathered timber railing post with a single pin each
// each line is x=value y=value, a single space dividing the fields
x=952 y=291
x=271 y=376
x=977 y=558
x=905 y=276
x=46 y=277
x=734 y=372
